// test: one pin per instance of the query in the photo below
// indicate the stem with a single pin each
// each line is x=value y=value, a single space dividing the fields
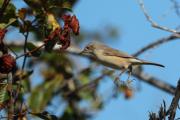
x=157 y=43
x=25 y=45
x=11 y=104
x=174 y=104
x=30 y=52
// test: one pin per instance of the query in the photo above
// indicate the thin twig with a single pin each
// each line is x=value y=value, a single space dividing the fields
x=25 y=47
x=12 y=51
x=157 y=43
x=176 y=7
x=174 y=104
x=153 y=23
x=30 y=52
x=90 y=84
x=11 y=101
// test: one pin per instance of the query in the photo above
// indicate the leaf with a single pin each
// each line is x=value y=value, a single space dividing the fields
x=67 y=6
x=68 y=114
x=4 y=25
x=25 y=80
x=9 y=13
x=52 y=21
x=64 y=4
x=32 y=47
x=85 y=74
x=49 y=45
x=97 y=103
x=35 y=4
x=25 y=26
x=12 y=20
x=26 y=85
x=4 y=96
x=22 y=13
x=45 y=115
x=3 y=93
x=86 y=94
x=43 y=93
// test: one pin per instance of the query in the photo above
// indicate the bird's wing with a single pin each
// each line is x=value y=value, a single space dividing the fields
x=115 y=52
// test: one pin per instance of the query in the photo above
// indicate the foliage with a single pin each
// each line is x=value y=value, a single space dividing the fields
x=61 y=77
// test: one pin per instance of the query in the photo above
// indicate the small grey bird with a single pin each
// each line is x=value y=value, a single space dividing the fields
x=114 y=58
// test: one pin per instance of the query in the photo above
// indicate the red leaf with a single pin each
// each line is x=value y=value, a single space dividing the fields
x=7 y=63
x=75 y=25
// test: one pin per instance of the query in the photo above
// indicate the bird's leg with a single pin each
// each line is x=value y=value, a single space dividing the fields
x=123 y=71
x=116 y=81
x=130 y=72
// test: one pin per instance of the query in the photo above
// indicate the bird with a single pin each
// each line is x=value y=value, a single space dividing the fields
x=114 y=58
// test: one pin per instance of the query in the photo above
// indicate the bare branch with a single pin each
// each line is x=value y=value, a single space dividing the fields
x=176 y=7
x=25 y=46
x=157 y=43
x=153 y=23
x=154 y=82
x=174 y=104
x=92 y=83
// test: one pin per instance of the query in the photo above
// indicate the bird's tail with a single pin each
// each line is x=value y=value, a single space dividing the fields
x=152 y=63
x=143 y=62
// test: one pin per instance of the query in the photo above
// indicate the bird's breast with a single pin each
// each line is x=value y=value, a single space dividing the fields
x=112 y=61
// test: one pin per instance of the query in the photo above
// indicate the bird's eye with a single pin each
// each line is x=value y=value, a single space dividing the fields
x=87 y=47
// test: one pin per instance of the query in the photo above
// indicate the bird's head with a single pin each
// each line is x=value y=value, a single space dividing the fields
x=89 y=49
x=93 y=48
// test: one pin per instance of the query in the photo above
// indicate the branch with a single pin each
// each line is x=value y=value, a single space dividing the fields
x=25 y=46
x=154 y=82
x=157 y=43
x=153 y=23
x=174 y=104
x=176 y=7
x=74 y=50
x=29 y=53
x=90 y=84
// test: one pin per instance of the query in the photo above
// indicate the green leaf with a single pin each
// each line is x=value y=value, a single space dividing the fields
x=68 y=114
x=85 y=74
x=45 y=115
x=4 y=25
x=4 y=96
x=49 y=45
x=97 y=103
x=12 y=20
x=86 y=94
x=43 y=93
x=35 y=4
x=24 y=78
x=56 y=6
x=9 y=13
x=67 y=6
x=32 y=47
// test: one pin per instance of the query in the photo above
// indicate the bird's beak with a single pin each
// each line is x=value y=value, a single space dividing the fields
x=82 y=52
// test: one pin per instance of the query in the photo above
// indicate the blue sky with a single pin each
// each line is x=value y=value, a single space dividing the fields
x=136 y=32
